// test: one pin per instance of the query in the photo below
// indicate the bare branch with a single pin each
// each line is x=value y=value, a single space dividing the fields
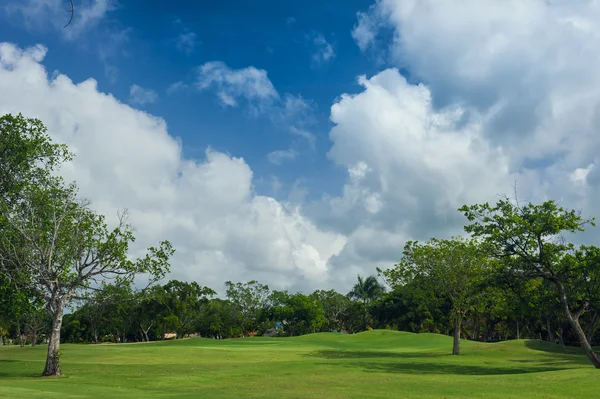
x=72 y=11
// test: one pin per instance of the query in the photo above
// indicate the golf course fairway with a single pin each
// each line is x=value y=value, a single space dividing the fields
x=373 y=364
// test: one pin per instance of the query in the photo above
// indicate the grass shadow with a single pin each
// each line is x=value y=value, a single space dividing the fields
x=10 y=368
x=345 y=354
x=441 y=363
x=458 y=369
x=543 y=346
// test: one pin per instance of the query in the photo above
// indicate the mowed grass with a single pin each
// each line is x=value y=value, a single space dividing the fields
x=374 y=364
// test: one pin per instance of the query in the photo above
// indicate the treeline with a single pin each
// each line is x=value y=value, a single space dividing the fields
x=517 y=274
x=177 y=309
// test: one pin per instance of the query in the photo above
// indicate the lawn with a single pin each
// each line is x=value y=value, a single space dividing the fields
x=374 y=364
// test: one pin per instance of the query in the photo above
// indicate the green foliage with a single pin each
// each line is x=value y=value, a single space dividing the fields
x=298 y=313
x=250 y=299
x=182 y=302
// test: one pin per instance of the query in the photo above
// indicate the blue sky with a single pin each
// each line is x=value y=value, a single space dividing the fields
x=156 y=44
x=303 y=143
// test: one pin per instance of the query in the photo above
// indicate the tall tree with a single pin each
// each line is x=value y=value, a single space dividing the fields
x=529 y=241
x=452 y=268
x=51 y=241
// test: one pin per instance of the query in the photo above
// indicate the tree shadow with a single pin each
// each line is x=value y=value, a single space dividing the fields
x=549 y=347
x=10 y=368
x=441 y=363
x=342 y=354
x=458 y=369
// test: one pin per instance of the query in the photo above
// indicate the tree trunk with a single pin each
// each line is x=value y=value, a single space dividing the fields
x=518 y=331
x=591 y=328
x=53 y=359
x=34 y=338
x=561 y=337
x=574 y=321
x=551 y=335
x=456 y=345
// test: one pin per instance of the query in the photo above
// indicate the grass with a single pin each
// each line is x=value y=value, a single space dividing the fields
x=374 y=364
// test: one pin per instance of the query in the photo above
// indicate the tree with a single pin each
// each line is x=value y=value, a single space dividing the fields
x=251 y=299
x=366 y=290
x=452 y=268
x=183 y=301
x=299 y=313
x=528 y=241
x=51 y=242
x=334 y=306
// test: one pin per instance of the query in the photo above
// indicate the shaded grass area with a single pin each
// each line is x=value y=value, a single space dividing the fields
x=375 y=364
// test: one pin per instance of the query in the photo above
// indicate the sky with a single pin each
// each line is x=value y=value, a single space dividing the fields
x=303 y=143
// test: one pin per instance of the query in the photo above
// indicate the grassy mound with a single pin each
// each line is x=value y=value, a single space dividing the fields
x=376 y=364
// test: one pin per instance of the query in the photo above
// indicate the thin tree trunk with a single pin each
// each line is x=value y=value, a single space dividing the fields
x=551 y=335
x=574 y=321
x=518 y=331
x=53 y=359
x=21 y=340
x=34 y=338
x=561 y=337
x=591 y=327
x=457 y=331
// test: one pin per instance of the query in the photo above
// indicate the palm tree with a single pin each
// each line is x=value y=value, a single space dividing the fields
x=366 y=290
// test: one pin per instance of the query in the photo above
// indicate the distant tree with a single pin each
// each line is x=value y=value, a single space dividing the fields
x=299 y=313
x=335 y=305
x=528 y=241
x=219 y=319
x=251 y=300
x=183 y=302
x=366 y=290
x=452 y=268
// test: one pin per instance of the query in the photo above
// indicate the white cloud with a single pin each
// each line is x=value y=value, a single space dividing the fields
x=125 y=158
x=175 y=87
x=280 y=156
x=40 y=14
x=509 y=93
x=324 y=52
x=249 y=83
x=528 y=66
x=308 y=136
x=186 y=41
x=365 y=31
x=139 y=95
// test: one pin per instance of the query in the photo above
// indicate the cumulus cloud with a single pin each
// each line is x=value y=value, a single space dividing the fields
x=508 y=94
x=529 y=66
x=141 y=96
x=125 y=158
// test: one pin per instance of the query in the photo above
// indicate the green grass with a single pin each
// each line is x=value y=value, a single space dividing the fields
x=375 y=364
